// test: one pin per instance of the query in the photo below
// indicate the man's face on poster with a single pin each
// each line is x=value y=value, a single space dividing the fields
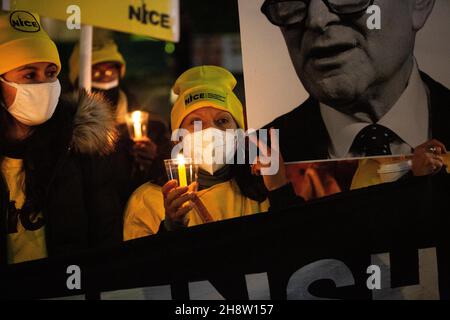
x=340 y=61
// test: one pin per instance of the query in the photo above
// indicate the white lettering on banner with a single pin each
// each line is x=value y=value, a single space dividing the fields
x=374 y=21
x=258 y=286
x=74 y=280
x=428 y=287
x=299 y=283
x=203 y=290
x=149 y=293
x=330 y=269
x=73 y=22
x=6 y=5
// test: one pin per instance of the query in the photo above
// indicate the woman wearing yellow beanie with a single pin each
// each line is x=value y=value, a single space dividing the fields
x=205 y=95
x=53 y=200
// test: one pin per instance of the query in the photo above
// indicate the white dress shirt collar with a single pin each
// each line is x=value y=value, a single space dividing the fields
x=408 y=118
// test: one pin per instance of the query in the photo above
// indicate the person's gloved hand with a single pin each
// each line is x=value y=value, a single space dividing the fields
x=427 y=159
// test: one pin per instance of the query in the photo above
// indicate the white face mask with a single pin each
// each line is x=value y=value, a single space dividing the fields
x=211 y=148
x=105 y=85
x=34 y=103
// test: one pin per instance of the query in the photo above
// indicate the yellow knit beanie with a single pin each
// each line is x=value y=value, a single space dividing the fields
x=24 y=41
x=104 y=50
x=206 y=86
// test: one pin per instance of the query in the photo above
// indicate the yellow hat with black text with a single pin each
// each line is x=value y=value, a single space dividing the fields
x=103 y=50
x=206 y=86
x=24 y=41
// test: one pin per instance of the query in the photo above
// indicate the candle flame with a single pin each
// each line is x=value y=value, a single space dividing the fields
x=136 y=116
x=181 y=159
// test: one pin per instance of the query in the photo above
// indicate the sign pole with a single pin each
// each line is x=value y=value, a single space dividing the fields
x=6 y=5
x=85 y=72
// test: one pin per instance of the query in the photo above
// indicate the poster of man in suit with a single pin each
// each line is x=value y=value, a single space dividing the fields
x=337 y=85
x=349 y=80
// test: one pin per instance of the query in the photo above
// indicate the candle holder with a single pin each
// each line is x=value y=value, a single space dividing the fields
x=137 y=123
x=181 y=169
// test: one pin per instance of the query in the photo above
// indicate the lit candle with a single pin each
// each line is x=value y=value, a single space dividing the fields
x=137 y=125
x=182 y=171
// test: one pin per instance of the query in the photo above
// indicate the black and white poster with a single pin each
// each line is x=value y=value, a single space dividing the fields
x=323 y=71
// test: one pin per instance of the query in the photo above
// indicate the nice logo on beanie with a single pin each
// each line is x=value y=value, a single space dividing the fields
x=218 y=97
x=24 y=21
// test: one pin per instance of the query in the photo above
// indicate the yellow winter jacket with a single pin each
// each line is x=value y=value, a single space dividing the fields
x=145 y=209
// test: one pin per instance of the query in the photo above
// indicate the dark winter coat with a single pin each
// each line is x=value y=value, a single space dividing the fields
x=67 y=180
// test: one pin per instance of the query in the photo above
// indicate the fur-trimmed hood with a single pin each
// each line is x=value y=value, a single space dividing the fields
x=83 y=123
x=66 y=180
x=64 y=152
x=93 y=124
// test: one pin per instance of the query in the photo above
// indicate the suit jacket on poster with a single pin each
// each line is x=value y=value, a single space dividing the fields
x=304 y=136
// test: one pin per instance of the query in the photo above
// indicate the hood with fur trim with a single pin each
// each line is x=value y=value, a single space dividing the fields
x=80 y=131
x=83 y=123
x=93 y=127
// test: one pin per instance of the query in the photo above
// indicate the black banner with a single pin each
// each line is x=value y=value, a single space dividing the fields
x=384 y=242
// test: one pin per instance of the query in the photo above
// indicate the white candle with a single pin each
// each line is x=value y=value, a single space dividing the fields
x=137 y=125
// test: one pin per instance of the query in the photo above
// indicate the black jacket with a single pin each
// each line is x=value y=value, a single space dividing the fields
x=304 y=137
x=68 y=180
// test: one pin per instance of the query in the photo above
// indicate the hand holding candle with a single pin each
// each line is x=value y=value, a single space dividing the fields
x=182 y=170
x=179 y=191
x=137 y=125
x=177 y=205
